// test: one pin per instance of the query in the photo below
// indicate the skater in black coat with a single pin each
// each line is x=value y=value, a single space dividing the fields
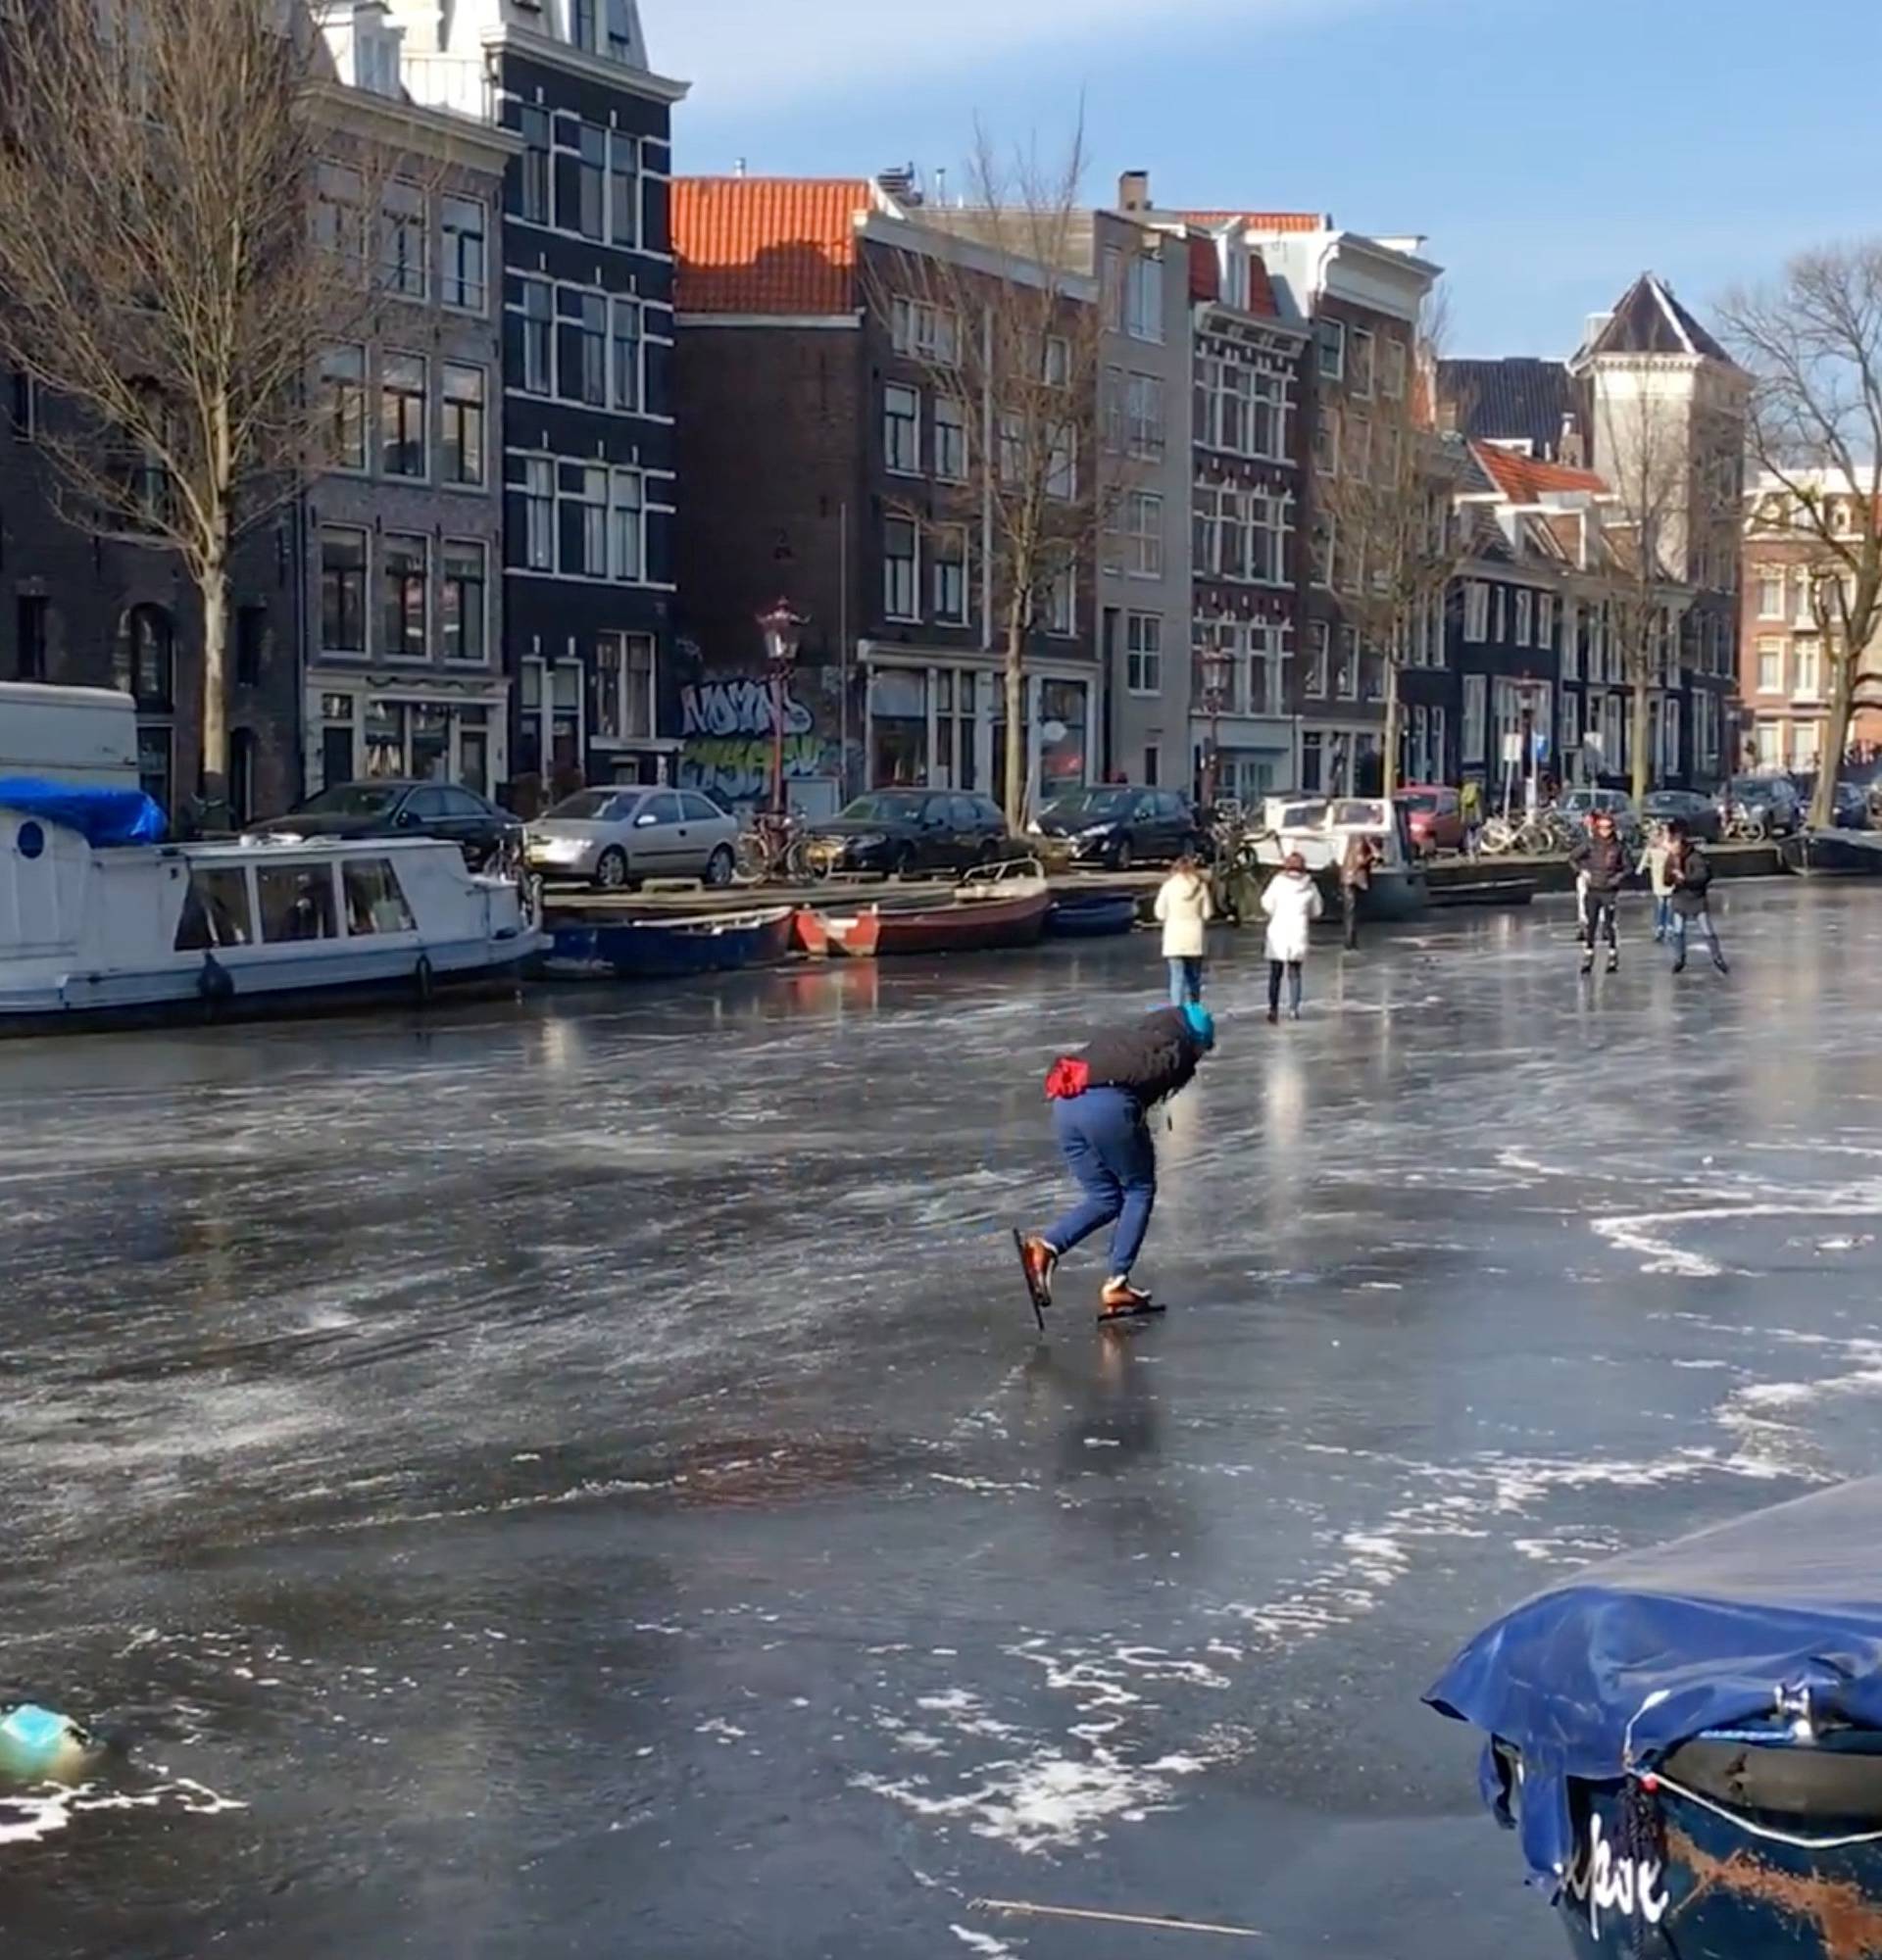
x=1602 y=866
x=1690 y=872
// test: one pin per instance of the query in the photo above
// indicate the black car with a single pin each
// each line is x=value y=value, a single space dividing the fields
x=1771 y=802
x=1700 y=814
x=393 y=807
x=1120 y=826
x=902 y=831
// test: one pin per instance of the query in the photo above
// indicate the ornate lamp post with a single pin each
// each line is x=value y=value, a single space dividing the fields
x=1215 y=664
x=783 y=630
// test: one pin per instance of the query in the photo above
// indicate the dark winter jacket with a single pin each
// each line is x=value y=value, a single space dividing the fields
x=1604 y=861
x=1150 y=1058
x=1691 y=873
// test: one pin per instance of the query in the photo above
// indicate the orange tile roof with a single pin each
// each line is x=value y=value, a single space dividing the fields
x=1523 y=480
x=766 y=245
x=1264 y=220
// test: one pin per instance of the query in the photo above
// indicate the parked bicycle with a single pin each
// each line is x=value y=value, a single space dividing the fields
x=774 y=850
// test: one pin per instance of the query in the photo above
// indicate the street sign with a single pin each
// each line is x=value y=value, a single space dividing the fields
x=1512 y=746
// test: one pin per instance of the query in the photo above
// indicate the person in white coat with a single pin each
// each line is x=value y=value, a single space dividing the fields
x=1292 y=902
x=1184 y=909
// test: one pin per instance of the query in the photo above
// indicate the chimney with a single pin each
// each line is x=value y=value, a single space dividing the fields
x=1569 y=444
x=1134 y=191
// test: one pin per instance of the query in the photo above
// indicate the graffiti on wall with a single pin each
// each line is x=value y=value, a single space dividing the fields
x=726 y=739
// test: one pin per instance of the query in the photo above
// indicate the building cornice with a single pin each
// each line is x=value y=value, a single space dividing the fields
x=446 y=133
x=578 y=61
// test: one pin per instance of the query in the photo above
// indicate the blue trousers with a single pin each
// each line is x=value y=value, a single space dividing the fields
x=1108 y=1149
x=1185 y=981
x=1662 y=916
x=1702 y=922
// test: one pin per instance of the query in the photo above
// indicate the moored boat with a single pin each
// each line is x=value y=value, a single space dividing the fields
x=1091 y=914
x=1835 y=853
x=1689 y=1739
x=997 y=906
x=1320 y=828
x=669 y=948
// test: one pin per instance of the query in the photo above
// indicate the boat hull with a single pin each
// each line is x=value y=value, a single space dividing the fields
x=977 y=925
x=1833 y=853
x=1099 y=916
x=669 y=948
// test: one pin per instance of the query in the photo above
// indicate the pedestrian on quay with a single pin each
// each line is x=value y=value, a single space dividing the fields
x=1601 y=869
x=1101 y=1097
x=1653 y=866
x=1292 y=902
x=1690 y=872
x=1356 y=879
x=1470 y=808
x=1184 y=909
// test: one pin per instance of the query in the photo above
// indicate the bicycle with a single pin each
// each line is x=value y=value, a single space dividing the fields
x=774 y=850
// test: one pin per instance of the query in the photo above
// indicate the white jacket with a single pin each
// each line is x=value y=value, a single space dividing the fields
x=1292 y=902
x=1184 y=907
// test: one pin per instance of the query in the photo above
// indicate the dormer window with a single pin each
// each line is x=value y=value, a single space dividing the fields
x=375 y=51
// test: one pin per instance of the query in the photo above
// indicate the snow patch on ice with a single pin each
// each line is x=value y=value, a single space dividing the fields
x=982 y=1942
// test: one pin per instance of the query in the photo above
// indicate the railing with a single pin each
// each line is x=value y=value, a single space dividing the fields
x=451 y=81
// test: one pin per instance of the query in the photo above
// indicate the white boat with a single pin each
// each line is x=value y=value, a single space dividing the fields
x=98 y=933
x=1320 y=828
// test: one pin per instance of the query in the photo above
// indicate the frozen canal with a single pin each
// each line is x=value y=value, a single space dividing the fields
x=582 y=1479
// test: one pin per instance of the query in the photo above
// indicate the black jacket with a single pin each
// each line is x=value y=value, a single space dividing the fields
x=1152 y=1058
x=1691 y=873
x=1604 y=861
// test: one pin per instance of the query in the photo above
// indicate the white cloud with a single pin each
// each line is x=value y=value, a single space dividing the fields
x=754 y=54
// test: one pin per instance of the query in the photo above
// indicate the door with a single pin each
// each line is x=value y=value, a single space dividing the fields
x=942 y=846
x=659 y=848
x=1173 y=823
x=969 y=831
x=707 y=828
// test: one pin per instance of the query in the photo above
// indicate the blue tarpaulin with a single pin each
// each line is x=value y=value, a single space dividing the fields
x=99 y=815
x=1701 y=1634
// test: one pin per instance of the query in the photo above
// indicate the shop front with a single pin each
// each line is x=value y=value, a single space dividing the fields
x=436 y=729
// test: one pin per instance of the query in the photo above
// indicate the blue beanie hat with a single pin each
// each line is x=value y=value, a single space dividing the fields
x=1202 y=1023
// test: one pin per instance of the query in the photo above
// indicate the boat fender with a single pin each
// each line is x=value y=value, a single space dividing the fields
x=214 y=983
x=39 y=1746
x=421 y=977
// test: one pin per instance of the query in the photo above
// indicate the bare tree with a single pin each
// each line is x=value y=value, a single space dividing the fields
x=1388 y=523
x=1812 y=344
x=162 y=277
x=996 y=306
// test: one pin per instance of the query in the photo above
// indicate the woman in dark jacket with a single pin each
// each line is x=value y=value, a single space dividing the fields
x=1099 y=1099
x=1690 y=873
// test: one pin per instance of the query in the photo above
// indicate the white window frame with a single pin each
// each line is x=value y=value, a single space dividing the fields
x=1392 y=375
x=923 y=331
x=1360 y=373
x=450 y=254
x=950 y=440
x=1144 y=654
x=1476 y=611
x=901 y=429
x=612 y=670
x=423 y=474
x=426 y=612
x=943 y=560
x=1329 y=345
x=1144 y=298
x=480 y=460
x=1771 y=581
x=1546 y=619
x=1770 y=648
x=627 y=526
x=1319 y=635
x=405 y=216
x=482 y=548
x=1351 y=658
x=1143 y=534
x=891 y=582
x=1477 y=717
x=363 y=538
x=1525 y=617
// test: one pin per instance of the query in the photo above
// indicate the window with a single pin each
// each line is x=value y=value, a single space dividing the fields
x=296 y=901
x=538 y=321
x=624 y=688
x=581 y=346
x=902 y=431
x=1476 y=611
x=1499 y=615
x=1143 y=652
x=1062 y=602
x=343 y=407
x=1572 y=633
x=1144 y=434
x=464 y=273
x=1327 y=442
x=215 y=911
x=624 y=188
x=1347 y=678
x=401 y=416
x=539 y=513
x=1804 y=744
x=1325 y=546
x=590 y=182
x=339 y=216
x=464 y=436
x=465 y=610
x=1392 y=369
x=1770 y=595
x=583 y=24
x=375 y=903
x=1525 y=617
x=342 y=589
x=22 y=406
x=923 y=331
x=628 y=345
x=1267 y=553
x=403 y=581
x=1062 y=465
x=1319 y=634
x=1545 y=620
x=1372 y=666
x=620 y=32
x=1056 y=368
x=1312 y=759
x=901 y=570
x=1143 y=534
x=581 y=519
x=626 y=525
x=1476 y=702
x=402 y=254
x=1807 y=667
x=950 y=441
x=533 y=184
x=1770 y=667
x=951 y=576
x=30 y=613
x=1144 y=298
x=1359 y=372
x=1329 y=337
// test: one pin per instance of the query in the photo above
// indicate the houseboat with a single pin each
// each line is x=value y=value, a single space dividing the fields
x=1320 y=828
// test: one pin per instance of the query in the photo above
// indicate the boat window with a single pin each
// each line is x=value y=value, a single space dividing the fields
x=374 y=900
x=296 y=901
x=215 y=912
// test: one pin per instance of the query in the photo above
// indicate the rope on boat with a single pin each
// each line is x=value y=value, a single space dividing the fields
x=1652 y=1780
x=1159 y=1923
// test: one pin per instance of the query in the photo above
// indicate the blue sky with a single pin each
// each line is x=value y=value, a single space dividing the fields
x=1550 y=151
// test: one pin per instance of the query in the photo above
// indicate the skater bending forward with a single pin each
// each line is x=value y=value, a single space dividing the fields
x=1099 y=1099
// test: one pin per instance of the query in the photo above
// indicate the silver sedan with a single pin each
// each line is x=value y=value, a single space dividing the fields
x=615 y=838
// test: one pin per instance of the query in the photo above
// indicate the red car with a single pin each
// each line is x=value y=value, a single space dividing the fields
x=1434 y=816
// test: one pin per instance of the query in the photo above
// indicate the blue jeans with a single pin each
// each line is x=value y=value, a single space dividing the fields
x=1663 y=917
x=1704 y=921
x=1108 y=1151
x=1185 y=981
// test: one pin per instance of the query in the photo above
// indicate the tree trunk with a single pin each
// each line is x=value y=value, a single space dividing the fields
x=213 y=793
x=1836 y=737
x=1389 y=760
x=1013 y=790
x=1643 y=770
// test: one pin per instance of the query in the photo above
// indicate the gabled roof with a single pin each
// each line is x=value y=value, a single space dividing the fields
x=1524 y=480
x=1516 y=400
x=1649 y=320
x=766 y=245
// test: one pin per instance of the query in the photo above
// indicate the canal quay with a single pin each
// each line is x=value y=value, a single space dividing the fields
x=581 y=1477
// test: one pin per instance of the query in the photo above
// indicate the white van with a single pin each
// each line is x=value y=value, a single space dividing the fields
x=68 y=734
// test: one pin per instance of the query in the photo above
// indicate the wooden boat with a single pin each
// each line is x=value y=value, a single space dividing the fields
x=853 y=935
x=994 y=906
x=102 y=926
x=669 y=948
x=809 y=936
x=1091 y=914
x=1689 y=1737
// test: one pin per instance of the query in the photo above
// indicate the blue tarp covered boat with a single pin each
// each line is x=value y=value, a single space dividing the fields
x=1689 y=1739
x=103 y=817
x=1091 y=914
x=669 y=948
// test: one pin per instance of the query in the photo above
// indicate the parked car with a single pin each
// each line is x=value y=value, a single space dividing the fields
x=398 y=806
x=1771 y=801
x=1120 y=826
x=1579 y=806
x=615 y=838
x=1851 y=806
x=1433 y=816
x=1700 y=814
x=902 y=831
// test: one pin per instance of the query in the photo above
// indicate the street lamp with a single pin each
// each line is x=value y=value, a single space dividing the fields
x=783 y=630
x=1216 y=665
